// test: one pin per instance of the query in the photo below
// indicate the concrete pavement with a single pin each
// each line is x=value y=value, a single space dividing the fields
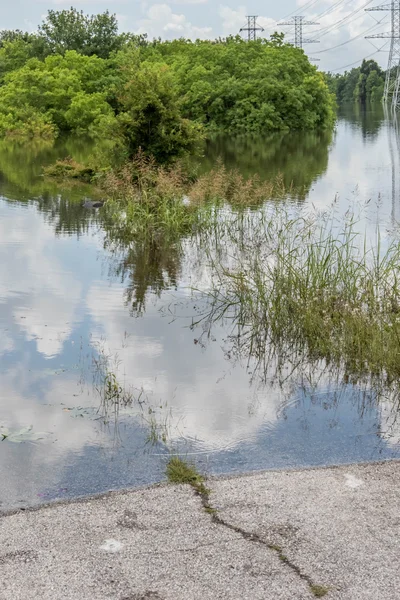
x=276 y=535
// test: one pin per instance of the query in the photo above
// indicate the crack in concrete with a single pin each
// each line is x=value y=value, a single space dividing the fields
x=317 y=590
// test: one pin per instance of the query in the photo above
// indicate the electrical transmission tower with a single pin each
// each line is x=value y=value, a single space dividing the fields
x=299 y=23
x=252 y=28
x=392 y=83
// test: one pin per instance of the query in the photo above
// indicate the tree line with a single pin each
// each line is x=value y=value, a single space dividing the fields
x=363 y=84
x=78 y=74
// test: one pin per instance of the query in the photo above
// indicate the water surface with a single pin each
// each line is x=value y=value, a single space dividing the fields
x=71 y=303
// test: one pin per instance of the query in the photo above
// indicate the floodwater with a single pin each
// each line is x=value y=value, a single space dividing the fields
x=74 y=307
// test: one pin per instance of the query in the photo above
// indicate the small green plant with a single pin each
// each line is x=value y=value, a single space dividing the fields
x=319 y=591
x=158 y=429
x=210 y=510
x=179 y=471
x=69 y=169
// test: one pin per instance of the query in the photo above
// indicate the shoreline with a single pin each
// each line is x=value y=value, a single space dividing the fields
x=164 y=483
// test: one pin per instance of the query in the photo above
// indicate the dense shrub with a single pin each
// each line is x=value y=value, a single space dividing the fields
x=78 y=74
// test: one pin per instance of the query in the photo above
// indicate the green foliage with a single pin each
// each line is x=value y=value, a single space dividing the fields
x=16 y=51
x=149 y=112
x=63 y=92
x=25 y=122
x=73 y=30
x=88 y=112
x=240 y=87
x=79 y=74
x=363 y=84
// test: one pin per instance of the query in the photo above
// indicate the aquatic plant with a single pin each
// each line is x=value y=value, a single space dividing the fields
x=311 y=289
x=144 y=197
x=69 y=168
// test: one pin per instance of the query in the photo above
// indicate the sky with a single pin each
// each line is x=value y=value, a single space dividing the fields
x=339 y=21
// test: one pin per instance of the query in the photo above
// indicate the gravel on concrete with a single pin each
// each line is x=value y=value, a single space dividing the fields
x=337 y=527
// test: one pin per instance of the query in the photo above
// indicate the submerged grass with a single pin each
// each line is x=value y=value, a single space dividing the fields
x=69 y=169
x=312 y=288
x=143 y=197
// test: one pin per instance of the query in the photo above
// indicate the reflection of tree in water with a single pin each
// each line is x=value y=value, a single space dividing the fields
x=148 y=264
x=66 y=215
x=21 y=166
x=300 y=157
x=369 y=118
x=62 y=202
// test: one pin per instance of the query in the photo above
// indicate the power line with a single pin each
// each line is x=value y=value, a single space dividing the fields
x=358 y=61
x=302 y=8
x=331 y=9
x=329 y=28
x=338 y=25
x=356 y=37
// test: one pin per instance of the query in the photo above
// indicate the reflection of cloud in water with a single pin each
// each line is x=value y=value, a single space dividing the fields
x=390 y=422
x=27 y=469
x=47 y=294
x=161 y=357
x=6 y=343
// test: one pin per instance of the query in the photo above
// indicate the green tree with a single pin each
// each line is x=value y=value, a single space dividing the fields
x=52 y=91
x=374 y=86
x=246 y=87
x=363 y=84
x=73 y=30
x=149 y=110
x=77 y=74
x=16 y=51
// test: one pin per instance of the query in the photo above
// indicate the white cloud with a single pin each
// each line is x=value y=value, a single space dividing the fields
x=189 y=2
x=232 y=19
x=162 y=22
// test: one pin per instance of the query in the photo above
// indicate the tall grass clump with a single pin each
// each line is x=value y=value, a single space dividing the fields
x=312 y=288
x=146 y=197
x=143 y=196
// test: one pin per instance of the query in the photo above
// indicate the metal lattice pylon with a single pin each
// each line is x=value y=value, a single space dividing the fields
x=298 y=23
x=394 y=149
x=392 y=83
x=252 y=28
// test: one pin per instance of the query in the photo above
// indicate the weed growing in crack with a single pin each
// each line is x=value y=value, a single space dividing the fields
x=319 y=591
x=179 y=471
